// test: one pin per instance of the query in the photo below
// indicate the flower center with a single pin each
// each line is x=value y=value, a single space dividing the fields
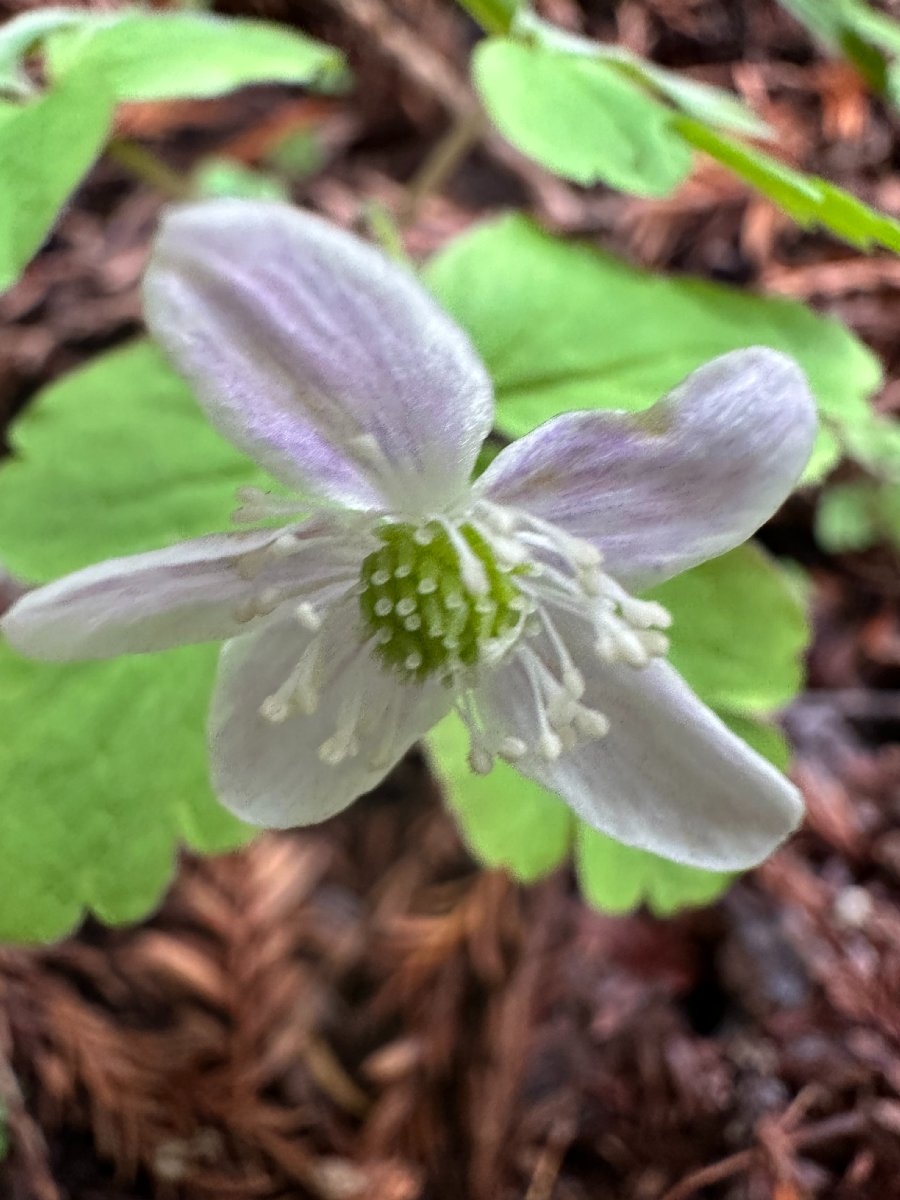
x=437 y=600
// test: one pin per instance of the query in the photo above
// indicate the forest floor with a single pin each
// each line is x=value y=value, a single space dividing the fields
x=357 y=1012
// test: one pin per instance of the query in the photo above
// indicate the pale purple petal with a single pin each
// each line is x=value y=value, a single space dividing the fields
x=313 y=352
x=190 y=592
x=273 y=774
x=662 y=490
x=668 y=777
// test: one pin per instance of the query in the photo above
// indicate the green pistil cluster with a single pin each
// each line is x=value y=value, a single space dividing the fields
x=416 y=602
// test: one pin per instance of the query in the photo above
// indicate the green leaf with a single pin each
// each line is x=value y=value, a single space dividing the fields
x=710 y=104
x=562 y=326
x=745 y=652
x=102 y=776
x=103 y=765
x=846 y=517
x=47 y=146
x=494 y=16
x=507 y=820
x=617 y=878
x=226 y=177
x=855 y=516
x=158 y=56
x=811 y=201
x=579 y=117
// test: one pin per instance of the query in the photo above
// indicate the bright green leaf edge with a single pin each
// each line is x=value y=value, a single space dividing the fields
x=103 y=771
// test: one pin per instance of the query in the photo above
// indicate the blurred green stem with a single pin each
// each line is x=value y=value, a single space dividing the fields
x=494 y=16
x=142 y=163
x=465 y=132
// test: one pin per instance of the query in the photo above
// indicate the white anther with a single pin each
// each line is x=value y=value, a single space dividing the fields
x=561 y=710
x=427 y=586
x=275 y=709
x=343 y=743
x=590 y=580
x=655 y=643
x=645 y=613
x=308 y=617
x=423 y=536
x=453 y=601
x=590 y=723
x=413 y=661
x=406 y=606
x=381 y=577
x=383 y=607
x=480 y=759
x=512 y=749
x=383 y=636
x=413 y=623
x=403 y=571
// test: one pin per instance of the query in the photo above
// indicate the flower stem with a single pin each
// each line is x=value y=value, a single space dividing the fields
x=494 y=16
x=465 y=133
x=140 y=162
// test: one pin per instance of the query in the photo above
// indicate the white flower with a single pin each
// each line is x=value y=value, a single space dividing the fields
x=395 y=589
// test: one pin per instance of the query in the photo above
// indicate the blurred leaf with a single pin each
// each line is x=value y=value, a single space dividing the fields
x=563 y=326
x=93 y=61
x=845 y=517
x=158 y=56
x=580 y=117
x=617 y=878
x=226 y=177
x=103 y=765
x=811 y=201
x=713 y=105
x=855 y=516
x=47 y=145
x=868 y=38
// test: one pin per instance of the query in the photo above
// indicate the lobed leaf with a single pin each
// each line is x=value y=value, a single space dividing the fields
x=579 y=117
x=103 y=768
x=159 y=56
x=562 y=326
x=47 y=146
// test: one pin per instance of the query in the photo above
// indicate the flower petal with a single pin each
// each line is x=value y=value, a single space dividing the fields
x=190 y=592
x=273 y=774
x=662 y=490
x=318 y=356
x=668 y=777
